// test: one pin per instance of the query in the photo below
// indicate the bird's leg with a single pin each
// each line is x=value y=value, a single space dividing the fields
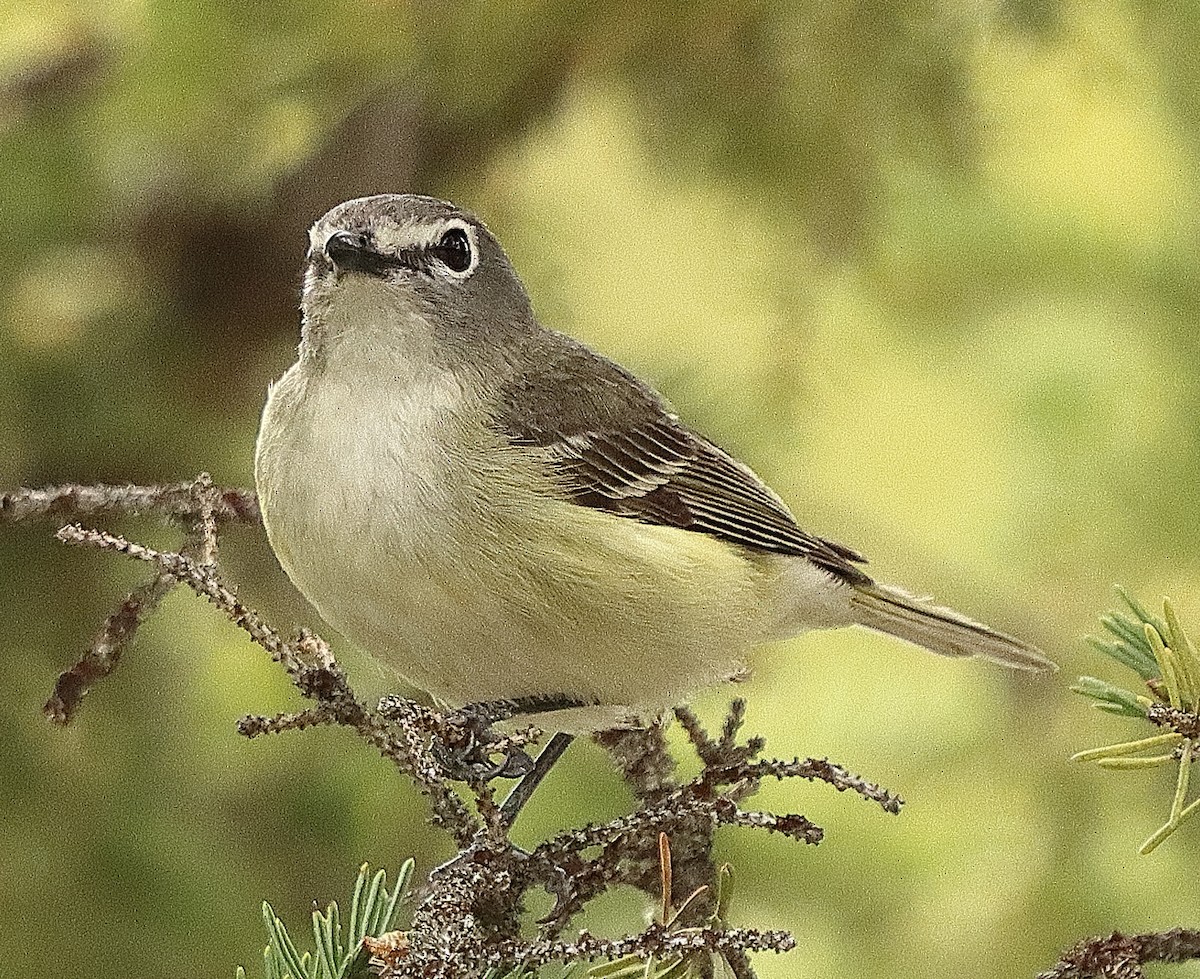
x=515 y=802
x=471 y=757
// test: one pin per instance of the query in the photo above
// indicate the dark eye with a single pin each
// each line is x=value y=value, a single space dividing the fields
x=454 y=250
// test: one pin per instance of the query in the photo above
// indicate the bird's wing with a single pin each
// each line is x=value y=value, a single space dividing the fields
x=633 y=458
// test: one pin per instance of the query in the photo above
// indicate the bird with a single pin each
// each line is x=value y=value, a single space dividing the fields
x=502 y=515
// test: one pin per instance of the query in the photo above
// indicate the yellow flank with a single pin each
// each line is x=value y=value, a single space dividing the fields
x=509 y=591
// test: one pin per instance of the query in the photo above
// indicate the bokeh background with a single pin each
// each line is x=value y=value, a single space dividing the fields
x=930 y=267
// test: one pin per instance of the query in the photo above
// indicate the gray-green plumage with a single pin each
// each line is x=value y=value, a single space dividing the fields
x=497 y=511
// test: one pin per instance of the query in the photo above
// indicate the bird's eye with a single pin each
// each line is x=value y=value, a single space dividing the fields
x=454 y=250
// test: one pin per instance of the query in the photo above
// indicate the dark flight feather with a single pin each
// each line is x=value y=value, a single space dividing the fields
x=617 y=447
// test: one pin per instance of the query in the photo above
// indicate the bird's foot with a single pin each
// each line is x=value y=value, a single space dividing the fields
x=472 y=750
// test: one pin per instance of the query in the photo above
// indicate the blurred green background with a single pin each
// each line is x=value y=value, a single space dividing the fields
x=931 y=268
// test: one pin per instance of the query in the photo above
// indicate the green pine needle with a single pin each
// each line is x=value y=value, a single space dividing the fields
x=1129 y=645
x=1114 y=700
x=1161 y=654
x=337 y=954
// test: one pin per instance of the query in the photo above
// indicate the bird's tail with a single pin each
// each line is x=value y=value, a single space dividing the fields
x=940 y=630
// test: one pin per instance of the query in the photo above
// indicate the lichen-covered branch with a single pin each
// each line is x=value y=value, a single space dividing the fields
x=199 y=507
x=1118 y=956
x=174 y=502
x=1185 y=723
x=467 y=919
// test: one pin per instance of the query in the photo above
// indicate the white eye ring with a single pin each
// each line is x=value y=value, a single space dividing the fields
x=456 y=250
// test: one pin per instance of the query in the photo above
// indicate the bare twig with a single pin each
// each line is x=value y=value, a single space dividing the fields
x=467 y=920
x=252 y=725
x=176 y=502
x=1118 y=956
x=655 y=940
x=202 y=539
x=204 y=582
x=104 y=653
x=312 y=669
x=813 y=769
x=451 y=915
x=689 y=814
x=725 y=751
x=198 y=503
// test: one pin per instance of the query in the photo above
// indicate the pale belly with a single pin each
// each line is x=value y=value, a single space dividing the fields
x=491 y=589
x=633 y=619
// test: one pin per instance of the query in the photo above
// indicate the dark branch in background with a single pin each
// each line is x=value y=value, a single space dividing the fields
x=468 y=920
x=1118 y=956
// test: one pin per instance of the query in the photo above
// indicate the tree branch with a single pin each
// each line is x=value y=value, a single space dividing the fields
x=1118 y=956
x=468 y=919
x=176 y=502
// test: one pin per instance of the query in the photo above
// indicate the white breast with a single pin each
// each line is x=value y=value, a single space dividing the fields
x=356 y=483
x=422 y=537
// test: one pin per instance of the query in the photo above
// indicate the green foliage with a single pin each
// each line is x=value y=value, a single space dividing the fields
x=929 y=268
x=373 y=910
x=1160 y=652
x=1130 y=645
